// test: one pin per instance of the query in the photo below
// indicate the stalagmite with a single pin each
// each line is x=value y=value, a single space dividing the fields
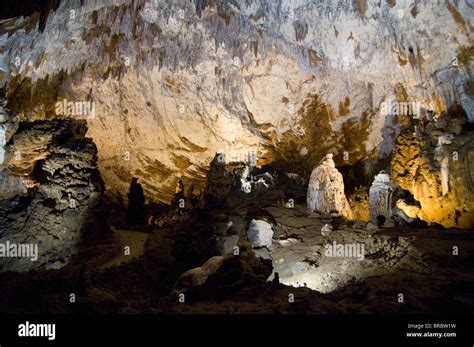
x=442 y=156
x=2 y=144
x=380 y=200
x=326 y=190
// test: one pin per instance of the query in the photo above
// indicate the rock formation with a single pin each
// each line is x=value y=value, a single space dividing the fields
x=101 y=97
x=219 y=181
x=326 y=190
x=260 y=234
x=448 y=202
x=380 y=200
x=198 y=275
x=176 y=81
x=442 y=156
x=64 y=189
x=136 y=213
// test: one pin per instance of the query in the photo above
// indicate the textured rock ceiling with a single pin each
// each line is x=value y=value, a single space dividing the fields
x=173 y=82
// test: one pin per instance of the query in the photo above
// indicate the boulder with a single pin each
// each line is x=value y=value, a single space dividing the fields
x=198 y=275
x=225 y=244
x=260 y=233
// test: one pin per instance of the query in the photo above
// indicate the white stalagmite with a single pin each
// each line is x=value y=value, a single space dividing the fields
x=442 y=156
x=326 y=190
x=2 y=144
x=380 y=198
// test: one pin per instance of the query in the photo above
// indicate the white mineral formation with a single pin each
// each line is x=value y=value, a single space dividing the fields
x=246 y=186
x=260 y=234
x=2 y=144
x=442 y=156
x=380 y=199
x=326 y=190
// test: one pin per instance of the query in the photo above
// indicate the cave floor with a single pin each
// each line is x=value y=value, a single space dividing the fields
x=404 y=270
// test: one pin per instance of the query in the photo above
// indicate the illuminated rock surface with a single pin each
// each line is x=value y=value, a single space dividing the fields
x=416 y=170
x=260 y=234
x=174 y=83
x=380 y=199
x=326 y=190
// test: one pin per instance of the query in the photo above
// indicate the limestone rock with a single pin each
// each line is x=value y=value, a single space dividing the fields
x=198 y=275
x=219 y=180
x=219 y=83
x=225 y=243
x=417 y=169
x=326 y=190
x=380 y=199
x=409 y=210
x=260 y=233
x=57 y=213
x=442 y=156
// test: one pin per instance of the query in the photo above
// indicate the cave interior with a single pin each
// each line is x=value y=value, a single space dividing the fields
x=189 y=157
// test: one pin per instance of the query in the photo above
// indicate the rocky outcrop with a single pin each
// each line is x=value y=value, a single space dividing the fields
x=57 y=212
x=8 y=126
x=326 y=190
x=380 y=200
